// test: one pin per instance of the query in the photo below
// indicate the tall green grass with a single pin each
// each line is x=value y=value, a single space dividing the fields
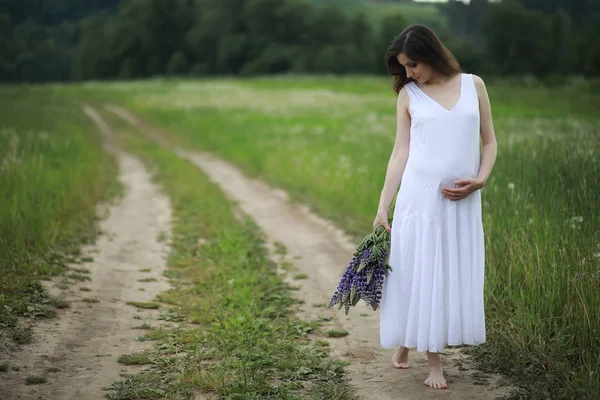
x=327 y=141
x=542 y=224
x=52 y=173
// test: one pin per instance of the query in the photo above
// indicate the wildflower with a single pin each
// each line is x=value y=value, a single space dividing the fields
x=364 y=275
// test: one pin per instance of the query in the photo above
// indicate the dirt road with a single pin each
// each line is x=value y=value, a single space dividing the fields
x=321 y=251
x=78 y=351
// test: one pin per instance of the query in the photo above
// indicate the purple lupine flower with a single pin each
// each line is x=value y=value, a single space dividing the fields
x=365 y=274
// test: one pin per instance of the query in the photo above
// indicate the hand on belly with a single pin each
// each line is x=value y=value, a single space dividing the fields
x=462 y=188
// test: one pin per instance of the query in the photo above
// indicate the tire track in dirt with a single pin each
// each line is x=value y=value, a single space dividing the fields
x=321 y=251
x=85 y=341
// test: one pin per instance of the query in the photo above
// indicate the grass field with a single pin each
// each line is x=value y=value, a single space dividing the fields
x=53 y=172
x=327 y=142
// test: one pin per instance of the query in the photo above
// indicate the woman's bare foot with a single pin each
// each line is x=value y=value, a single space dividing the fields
x=436 y=378
x=400 y=358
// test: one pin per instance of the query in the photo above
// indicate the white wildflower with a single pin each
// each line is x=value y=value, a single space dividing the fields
x=296 y=129
x=575 y=221
x=344 y=162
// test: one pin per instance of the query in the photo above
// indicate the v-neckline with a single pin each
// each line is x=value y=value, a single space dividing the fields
x=441 y=106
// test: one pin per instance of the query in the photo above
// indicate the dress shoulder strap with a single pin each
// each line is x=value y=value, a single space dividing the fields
x=469 y=88
x=411 y=90
x=414 y=95
x=470 y=83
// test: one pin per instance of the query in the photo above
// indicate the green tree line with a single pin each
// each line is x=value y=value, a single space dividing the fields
x=74 y=40
x=538 y=37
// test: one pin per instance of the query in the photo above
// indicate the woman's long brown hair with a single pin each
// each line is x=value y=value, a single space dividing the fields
x=420 y=44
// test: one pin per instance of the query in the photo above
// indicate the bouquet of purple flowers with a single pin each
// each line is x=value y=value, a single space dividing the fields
x=363 y=277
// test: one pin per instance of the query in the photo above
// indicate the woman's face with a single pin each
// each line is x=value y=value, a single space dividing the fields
x=418 y=71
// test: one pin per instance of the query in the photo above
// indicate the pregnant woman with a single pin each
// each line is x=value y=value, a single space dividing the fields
x=434 y=295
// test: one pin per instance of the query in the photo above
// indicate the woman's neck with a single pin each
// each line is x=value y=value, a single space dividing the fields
x=439 y=79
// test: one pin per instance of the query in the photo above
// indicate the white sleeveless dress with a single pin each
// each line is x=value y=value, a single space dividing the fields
x=434 y=295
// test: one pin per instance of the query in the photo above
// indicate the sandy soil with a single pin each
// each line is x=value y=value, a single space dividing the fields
x=84 y=342
x=321 y=251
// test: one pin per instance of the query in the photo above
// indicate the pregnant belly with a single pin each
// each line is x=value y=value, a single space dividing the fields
x=440 y=172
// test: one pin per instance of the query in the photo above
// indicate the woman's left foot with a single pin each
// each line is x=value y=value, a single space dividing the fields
x=436 y=378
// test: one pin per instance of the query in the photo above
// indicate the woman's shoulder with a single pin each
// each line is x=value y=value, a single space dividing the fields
x=403 y=95
x=479 y=83
x=479 y=86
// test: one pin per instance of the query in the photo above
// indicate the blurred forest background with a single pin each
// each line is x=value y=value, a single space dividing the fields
x=64 y=40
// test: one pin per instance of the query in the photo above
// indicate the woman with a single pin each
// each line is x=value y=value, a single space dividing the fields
x=434 y=295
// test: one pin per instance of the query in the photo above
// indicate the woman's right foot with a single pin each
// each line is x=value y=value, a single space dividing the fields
x=400 y=358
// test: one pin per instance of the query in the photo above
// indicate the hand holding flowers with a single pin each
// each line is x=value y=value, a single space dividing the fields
x=364 y=275
x=381 y=219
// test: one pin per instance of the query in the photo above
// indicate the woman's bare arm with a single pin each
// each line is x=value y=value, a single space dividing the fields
x=399 y=156
x=489 y=147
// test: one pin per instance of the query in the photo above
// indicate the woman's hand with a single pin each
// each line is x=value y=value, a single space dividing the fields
x=466 y=187
x=381 y=219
